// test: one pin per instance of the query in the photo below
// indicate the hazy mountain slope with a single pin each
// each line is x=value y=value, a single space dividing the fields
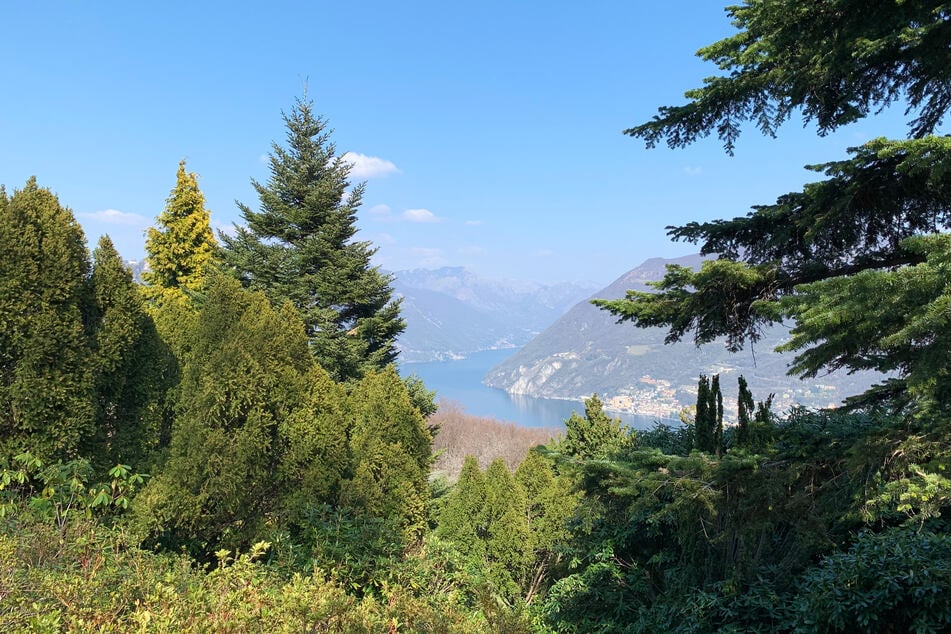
x=452 y=312
x=585 y=351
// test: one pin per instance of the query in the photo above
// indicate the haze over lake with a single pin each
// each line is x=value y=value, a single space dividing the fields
x=461 y=382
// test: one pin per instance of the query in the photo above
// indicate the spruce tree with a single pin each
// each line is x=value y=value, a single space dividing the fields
x=300 y=246
x=46 y=386
x=182 y=246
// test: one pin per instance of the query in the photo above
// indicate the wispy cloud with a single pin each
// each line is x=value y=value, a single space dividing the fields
x=116 y=217
x=544 y=253
x=369 y=166
x=420 y=215
x=379 y=210
x=472 y=250
x=473 y=223
x=429 y=257
x=693 y=170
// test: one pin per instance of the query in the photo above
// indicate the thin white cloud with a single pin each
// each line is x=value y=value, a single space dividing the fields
x=429 y=257
x=369 y=166
x=379 y=210
x=691 y=170
x=384 y=238
x=116 y=217
x=420 y=215
x=472 y=250
x=473 y=223
x=544 y=253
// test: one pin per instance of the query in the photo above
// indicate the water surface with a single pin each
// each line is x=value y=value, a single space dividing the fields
x=461 y=381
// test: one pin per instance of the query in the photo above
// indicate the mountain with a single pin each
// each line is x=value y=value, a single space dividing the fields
x=586 y=351
x=452 y=312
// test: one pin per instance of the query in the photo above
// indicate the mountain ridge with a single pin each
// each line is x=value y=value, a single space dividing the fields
x=585 y=351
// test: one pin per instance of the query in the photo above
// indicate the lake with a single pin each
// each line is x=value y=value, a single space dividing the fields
x=461 y=381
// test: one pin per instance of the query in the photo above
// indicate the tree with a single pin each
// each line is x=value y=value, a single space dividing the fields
x=461 y=519
x=549 y=504
x=46 y=386
x=391 y=449
x=862 y=234
x=745 y=411
x=129 y=364
x=508 y=546
x=595 y=434
x=703 y=421
x=183 y=246
x=300 y=247
x=246 y=373
x=716 y=407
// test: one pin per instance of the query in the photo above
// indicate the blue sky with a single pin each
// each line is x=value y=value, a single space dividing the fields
x=489 y=133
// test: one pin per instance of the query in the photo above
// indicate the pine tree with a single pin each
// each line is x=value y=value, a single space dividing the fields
x=46 y=400
x=301 y=247
x=129 y=363
x=183 y=246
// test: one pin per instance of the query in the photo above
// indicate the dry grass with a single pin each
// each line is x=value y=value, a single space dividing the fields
x=461 y=434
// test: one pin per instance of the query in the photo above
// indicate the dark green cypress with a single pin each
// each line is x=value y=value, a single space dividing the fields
x=46 y=387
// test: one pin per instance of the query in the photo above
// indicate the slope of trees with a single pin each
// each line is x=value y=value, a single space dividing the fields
x=289 y=464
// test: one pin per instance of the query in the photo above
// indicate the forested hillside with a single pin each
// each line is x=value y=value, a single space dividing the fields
x=227 y=446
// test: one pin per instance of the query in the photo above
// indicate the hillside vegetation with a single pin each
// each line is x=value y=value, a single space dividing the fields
x=228 y=447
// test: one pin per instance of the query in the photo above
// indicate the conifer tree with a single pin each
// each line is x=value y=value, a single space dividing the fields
x=391 y=450
x=716 y=409
x=128 y=361
x=745 y=412
x=461 y=519
x=300 y=246
x=594 y=434
x=508 y=546
x=704 y=419
x=245 y=373
x=875 y=227
x=182 y=246
x=549 y=503
x=46 y=403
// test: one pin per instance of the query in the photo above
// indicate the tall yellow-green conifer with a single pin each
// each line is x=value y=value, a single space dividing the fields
x=182 y=246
